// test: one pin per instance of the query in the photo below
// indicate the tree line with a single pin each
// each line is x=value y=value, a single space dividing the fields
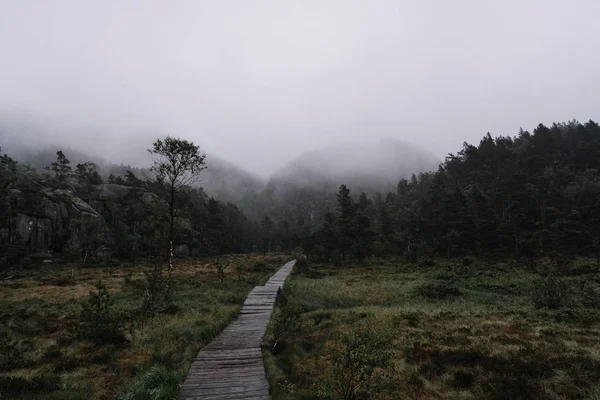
x=533 y=195
x=155 y=217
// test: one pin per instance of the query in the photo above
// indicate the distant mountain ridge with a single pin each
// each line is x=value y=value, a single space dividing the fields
x=369 y=165
x=306 y=184
x=30 y=144
x=229 y=182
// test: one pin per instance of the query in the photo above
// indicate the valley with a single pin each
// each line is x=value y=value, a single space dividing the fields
x=299 y=200
x=476 y=280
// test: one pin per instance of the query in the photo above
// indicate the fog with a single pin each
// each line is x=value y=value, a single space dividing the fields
x=260 y=82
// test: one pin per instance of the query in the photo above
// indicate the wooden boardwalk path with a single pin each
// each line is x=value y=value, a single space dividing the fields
x=231 y=366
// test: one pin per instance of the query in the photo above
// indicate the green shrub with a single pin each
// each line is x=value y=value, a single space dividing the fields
x=14 y=254
x=467 y=261
x=286 y=387
x=335 y=258
x=157 y=293
x=411 y=256
x=220 y=272
x=285 y=322
x=412 y=318
x=439 y=290
x=302 y=265
x=19 y=387
x=277 y=378
x=589 y=297
x=551 y=292
x=354 y=359
x=10 y=356
x=462 y=379
x=260 y=266
x=578 y=270
x=99 y=322
x=157 y=384
x=427 y=262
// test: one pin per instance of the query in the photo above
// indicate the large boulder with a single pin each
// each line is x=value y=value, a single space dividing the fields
x=46 y=213
x=65 y=202
x=110 y=192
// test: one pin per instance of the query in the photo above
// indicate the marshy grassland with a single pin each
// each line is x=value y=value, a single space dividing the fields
x=58 y=341
x=463 y=329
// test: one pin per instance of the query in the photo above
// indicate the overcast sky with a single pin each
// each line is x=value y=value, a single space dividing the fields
x=259 y=82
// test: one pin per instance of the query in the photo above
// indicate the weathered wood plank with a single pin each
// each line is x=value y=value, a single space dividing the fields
x=231 y=366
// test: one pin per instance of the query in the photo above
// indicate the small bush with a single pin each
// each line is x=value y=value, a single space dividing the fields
x=63 y=281
x=439 y=290
x=508 y=387
x=277 y=377
x=285 y=322
x=128 y=280
x=10 y=356
x=13 y=254
x=99 y=322
x=427 y=262
x=157 y=384
x=354 y=359
x=302 y=265
x=462 y=379
x=412 y=318
x=588 y=295
x=467 y=261
x=287 y=387
x=157 y=294
x=579 y=270
x=260 y=266
x=551 y=292
x=335 y=258
x=220 y=272
x=13 y=387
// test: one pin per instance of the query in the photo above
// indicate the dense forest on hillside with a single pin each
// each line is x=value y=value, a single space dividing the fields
x=536 y=194
x=532 y=195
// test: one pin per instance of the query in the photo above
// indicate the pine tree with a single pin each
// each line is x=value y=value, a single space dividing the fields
x=346 y=212
x=267 y=227
x=61 y=167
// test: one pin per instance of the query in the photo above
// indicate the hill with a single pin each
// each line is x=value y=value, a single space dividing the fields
x=368 y=165
x=29 y=143
x=307 y=186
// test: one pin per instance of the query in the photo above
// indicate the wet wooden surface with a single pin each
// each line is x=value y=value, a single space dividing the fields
x=231 y=366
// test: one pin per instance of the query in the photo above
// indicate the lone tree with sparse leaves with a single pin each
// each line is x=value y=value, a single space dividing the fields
x=177 y=163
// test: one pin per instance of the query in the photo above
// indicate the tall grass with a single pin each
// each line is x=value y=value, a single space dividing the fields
x=460 y=330
x=42 y=319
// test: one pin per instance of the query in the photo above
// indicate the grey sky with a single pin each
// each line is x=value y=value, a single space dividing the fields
x=258 y=82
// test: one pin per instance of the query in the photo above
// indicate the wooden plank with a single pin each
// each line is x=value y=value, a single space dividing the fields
x=231 y=366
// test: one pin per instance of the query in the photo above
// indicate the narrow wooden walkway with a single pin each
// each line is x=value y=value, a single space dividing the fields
x=231 y=366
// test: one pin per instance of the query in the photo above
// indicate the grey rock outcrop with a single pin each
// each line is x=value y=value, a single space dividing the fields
x=46 y=212
x=49 y=218
x=112 y=192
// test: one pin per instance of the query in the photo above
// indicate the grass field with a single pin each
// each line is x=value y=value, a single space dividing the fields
x=43 y=355
x=438 y=330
